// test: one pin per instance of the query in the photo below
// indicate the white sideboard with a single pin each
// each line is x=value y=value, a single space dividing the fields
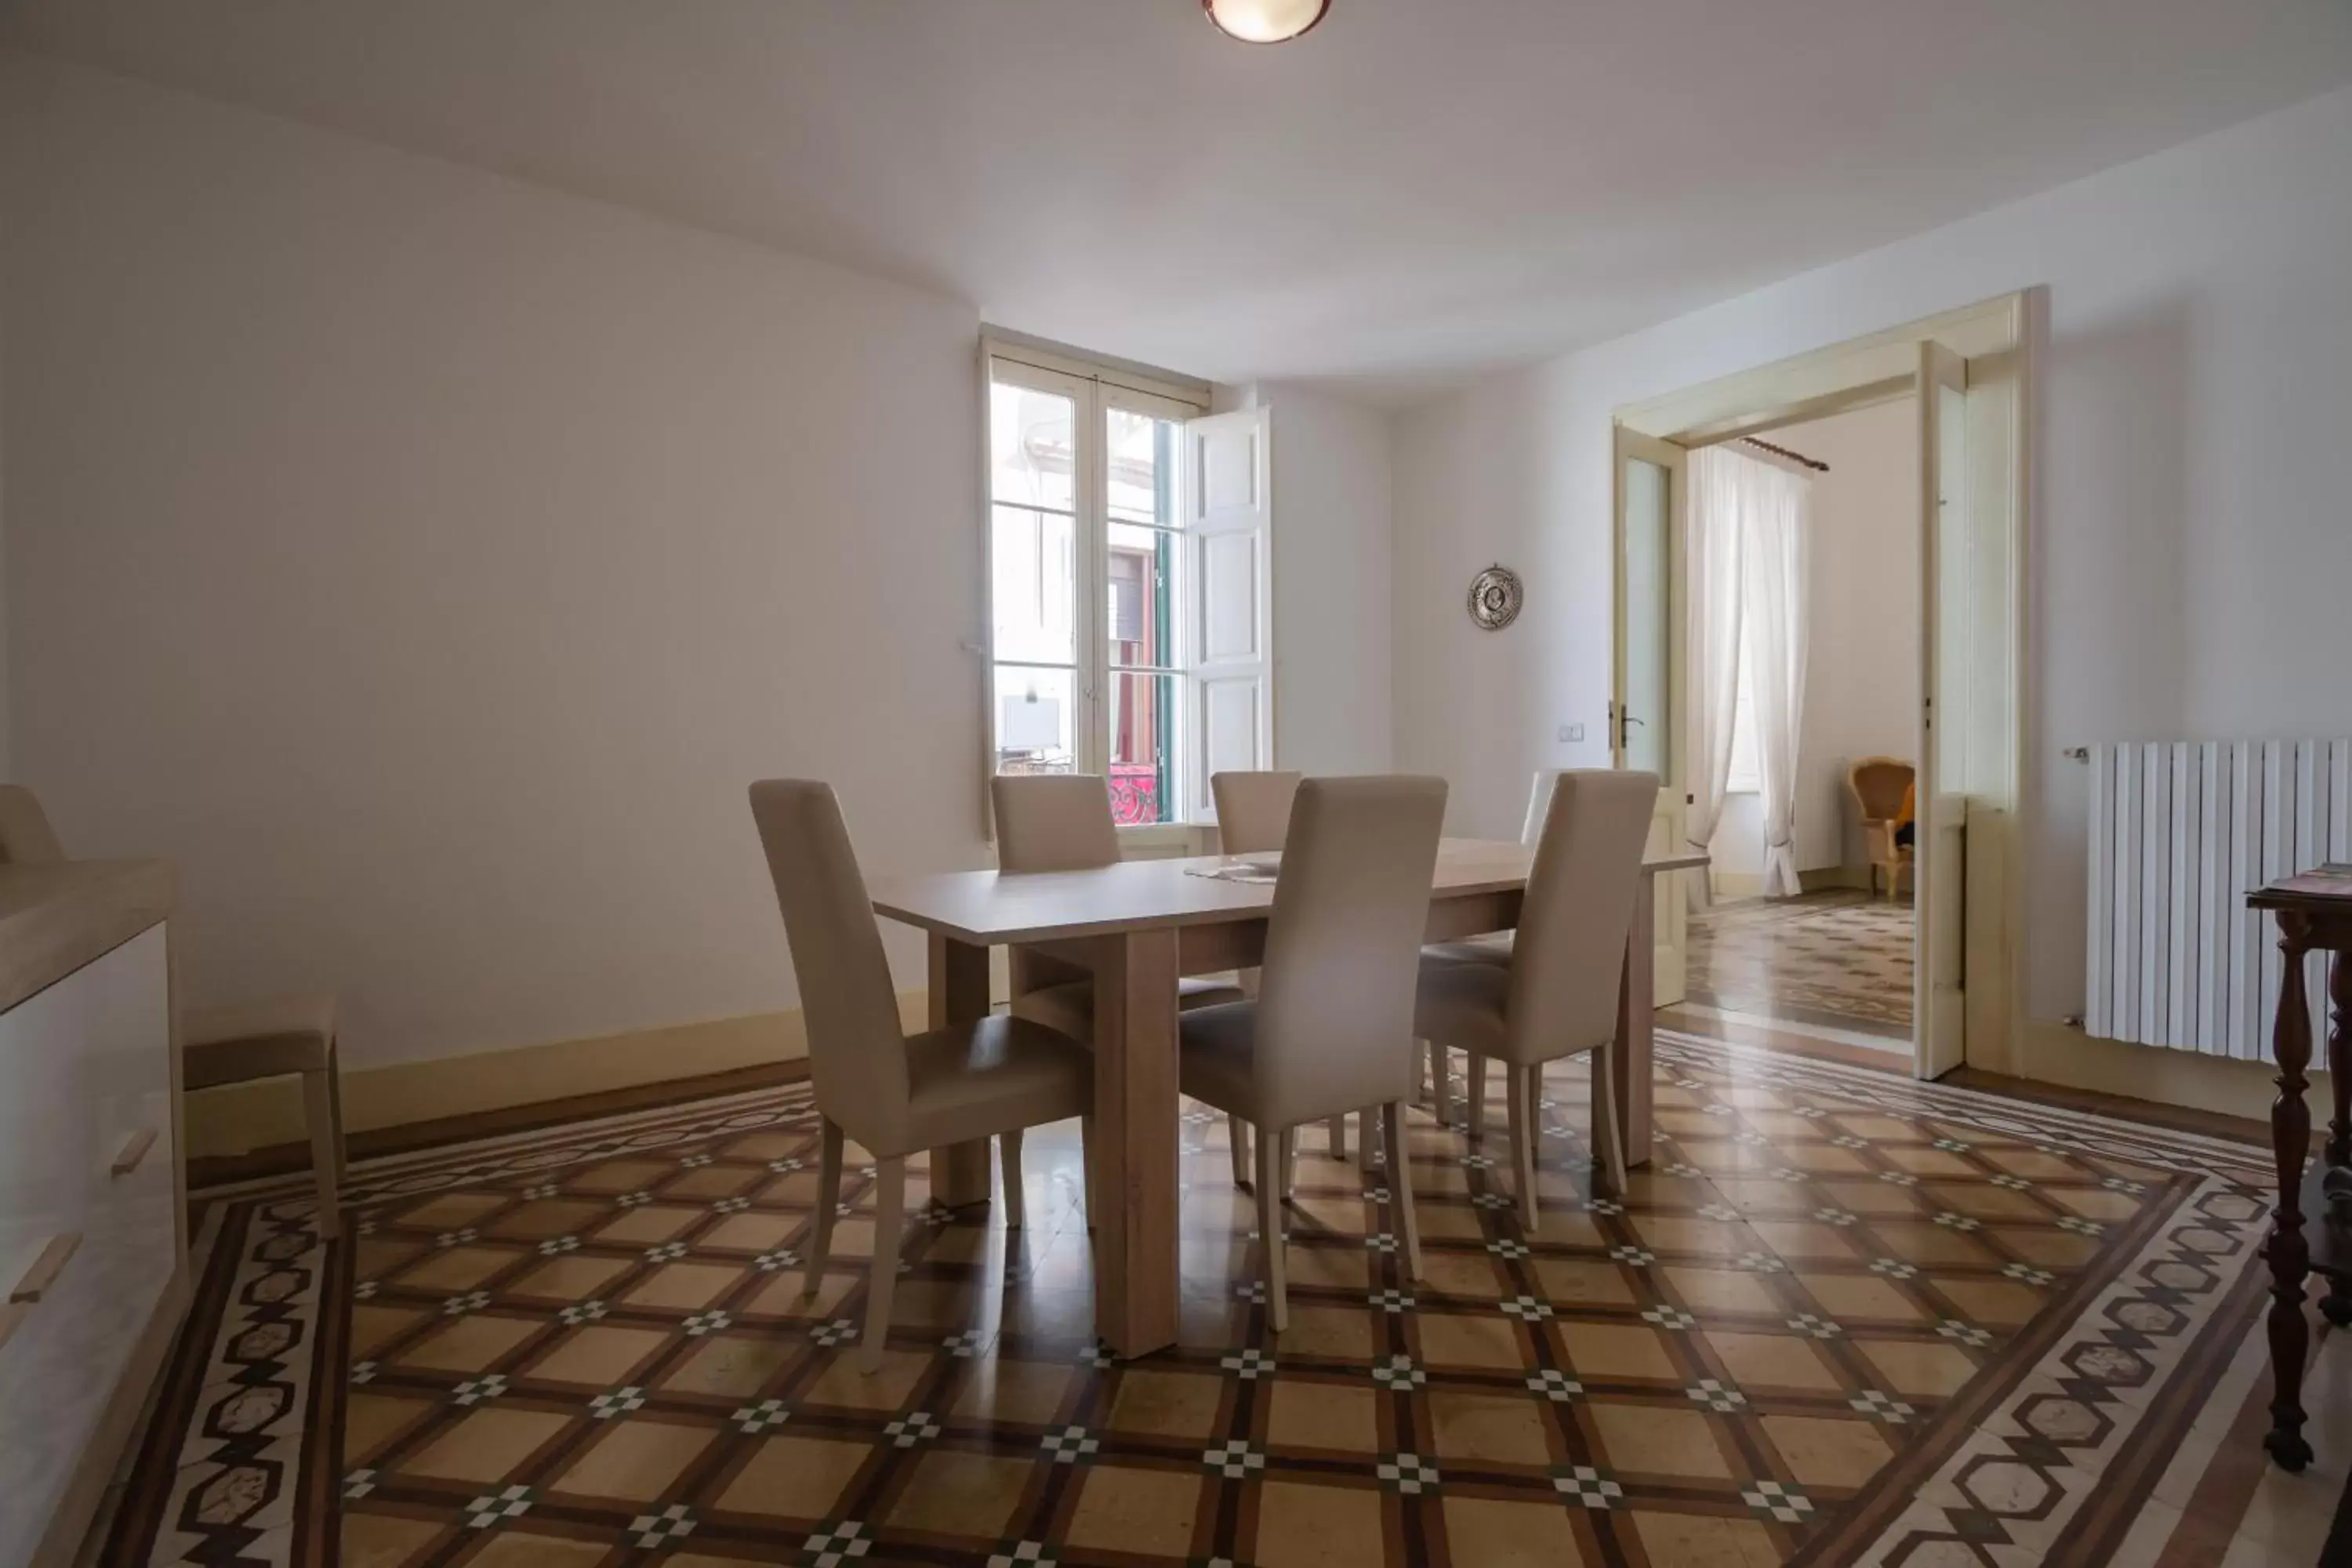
x=92 y=1257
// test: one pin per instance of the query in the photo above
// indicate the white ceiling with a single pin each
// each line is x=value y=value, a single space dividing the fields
x=1417 y=190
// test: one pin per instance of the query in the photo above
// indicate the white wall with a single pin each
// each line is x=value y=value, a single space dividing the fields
x=2192 y=546
x=6 y=776
x=428 y=561
x=1332 y=712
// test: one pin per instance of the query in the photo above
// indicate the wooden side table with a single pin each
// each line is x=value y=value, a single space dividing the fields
x=2311 y=1230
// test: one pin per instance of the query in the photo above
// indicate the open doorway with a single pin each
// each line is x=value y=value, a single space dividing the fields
x=1831 y=956
x=1855 y=640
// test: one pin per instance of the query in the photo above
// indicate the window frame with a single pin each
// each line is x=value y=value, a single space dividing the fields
x=1095 y=390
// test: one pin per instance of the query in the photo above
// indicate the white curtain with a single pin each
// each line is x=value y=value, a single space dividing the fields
x=1717 y=594
x=1776 y=506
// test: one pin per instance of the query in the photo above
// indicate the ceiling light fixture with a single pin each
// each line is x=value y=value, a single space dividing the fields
x=1264 y=21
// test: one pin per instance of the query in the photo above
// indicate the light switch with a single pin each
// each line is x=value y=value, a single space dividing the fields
x=1572 y=732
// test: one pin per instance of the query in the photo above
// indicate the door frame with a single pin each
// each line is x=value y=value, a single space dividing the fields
x=1670 y=937
x=1997 y=341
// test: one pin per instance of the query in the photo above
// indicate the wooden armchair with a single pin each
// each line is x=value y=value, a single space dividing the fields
x=1877 y=786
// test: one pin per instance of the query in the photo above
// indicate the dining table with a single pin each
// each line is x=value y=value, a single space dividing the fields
x=1138 y=927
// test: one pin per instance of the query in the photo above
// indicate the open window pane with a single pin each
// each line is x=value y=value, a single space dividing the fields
x=1141 y=472
x=1032 y=559
x=1142 y=748
x=1037 y=721
x=1032 y=448
x=1140 y=622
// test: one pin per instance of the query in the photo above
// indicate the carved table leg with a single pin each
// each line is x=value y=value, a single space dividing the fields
x=2336 y=1306
x=2339 y=1060
x=2288 y=1252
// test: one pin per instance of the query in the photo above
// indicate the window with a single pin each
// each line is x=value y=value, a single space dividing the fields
x=1747 y=774
x=1127 y=581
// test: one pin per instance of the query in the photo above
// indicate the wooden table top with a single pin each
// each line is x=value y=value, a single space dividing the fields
x=989 y=909
x=57 y=917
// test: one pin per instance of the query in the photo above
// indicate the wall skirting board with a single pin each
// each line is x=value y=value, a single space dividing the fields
x=1823 y=878
x=241 y=1117
x=2064 y=1056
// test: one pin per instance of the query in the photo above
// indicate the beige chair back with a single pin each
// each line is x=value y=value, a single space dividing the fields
x=1342 y=947
x=1876 y=785
x=25 y=837
x=1253 y=810
x=857 y=1053
x=1538 y=804
x=1567 y=959
x=1053 y=822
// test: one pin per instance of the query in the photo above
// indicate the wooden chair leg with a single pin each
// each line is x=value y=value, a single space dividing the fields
x=1008 y=1154
x=1441 y=1083
x=1086 y=1166
x=1400 y=1186
x=1286 y=1141
x=828 y=1198
x=335 y=1106
x=1474 y=1097
x=1608 y=1145
x=319 y=1092
x=1521 y=1088
x=882 y=1280
x=1271 y=1150
x=1335 y=1133
x=1237 y=1141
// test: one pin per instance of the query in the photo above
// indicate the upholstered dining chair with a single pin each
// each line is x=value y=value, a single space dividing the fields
x=1495 y=949
x=895 y=1094
x=278 y=1036
x=1330 y=1030
x=1253 y=818
x=1558 y=996
x=1253 y=810
x=1062 y=821
x=1876 y=786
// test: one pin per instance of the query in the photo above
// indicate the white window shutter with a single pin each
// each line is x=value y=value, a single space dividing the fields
x=1228 y=517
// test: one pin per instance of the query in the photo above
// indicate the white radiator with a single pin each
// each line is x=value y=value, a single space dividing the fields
x=2180 y=832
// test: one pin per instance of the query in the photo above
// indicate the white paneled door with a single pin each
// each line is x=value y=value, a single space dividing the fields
x=1646 y=703
x=1946 y=629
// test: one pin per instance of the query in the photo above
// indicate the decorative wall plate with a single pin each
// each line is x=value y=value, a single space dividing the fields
x=1494 y=598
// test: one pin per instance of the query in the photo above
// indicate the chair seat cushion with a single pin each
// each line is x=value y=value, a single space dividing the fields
x=256 y=1040
x=1213 y=1059
x=1480 y=950
x=1463 y=1005
x=1070 y=1007
x=1000 y=1074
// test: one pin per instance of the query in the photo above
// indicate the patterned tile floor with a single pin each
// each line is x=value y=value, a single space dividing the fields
x=1841 y=1318
x=1840 y=959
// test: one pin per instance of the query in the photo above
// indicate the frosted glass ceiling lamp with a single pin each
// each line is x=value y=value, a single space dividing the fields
x=1264 y=21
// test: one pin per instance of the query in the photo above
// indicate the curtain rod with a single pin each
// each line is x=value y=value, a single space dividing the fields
x=1818 y=468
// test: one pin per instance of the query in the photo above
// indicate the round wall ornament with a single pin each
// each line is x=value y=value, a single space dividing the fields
x=1494 y=598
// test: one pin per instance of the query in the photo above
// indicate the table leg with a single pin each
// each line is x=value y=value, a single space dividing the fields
x=959 y=994
x=1136 y=1141
x=2336 y=1305
x=2340 y=1058
x=1636 y=1020
x=2288 y=1253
